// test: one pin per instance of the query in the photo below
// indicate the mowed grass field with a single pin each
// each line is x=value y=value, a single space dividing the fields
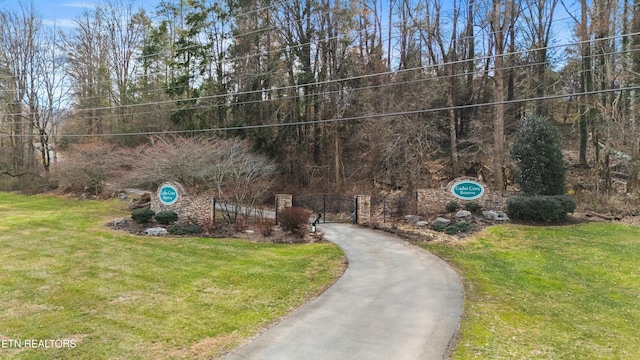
x=563 y=292
x=66 y=277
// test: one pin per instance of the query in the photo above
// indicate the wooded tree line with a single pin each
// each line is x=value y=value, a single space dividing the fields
x=340 y=93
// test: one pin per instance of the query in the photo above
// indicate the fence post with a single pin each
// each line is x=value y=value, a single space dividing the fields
x=324 y=208
x=384 y=209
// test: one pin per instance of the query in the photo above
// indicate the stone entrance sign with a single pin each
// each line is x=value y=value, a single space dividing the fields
x=172 y=196
x=467 y=189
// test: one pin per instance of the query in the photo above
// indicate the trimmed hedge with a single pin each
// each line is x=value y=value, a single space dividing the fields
x=540 y=208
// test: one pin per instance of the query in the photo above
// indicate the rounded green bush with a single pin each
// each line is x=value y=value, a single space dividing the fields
x=463 y=226
x=452 y=206
x=438 y=227
x=166 y=217
x=142 y=215
x=472 y=206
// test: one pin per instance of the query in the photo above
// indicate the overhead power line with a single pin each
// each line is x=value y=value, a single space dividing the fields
x=368 y=117
x=395 y=73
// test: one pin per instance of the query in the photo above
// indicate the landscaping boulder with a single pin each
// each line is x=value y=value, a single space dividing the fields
x=463 y=213
x=157 y=231
x=440 y=221
x=495 y=215
x=421 y=223
x=412 y=219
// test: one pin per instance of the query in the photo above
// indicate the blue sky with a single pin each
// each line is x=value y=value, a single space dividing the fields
x=62 y=12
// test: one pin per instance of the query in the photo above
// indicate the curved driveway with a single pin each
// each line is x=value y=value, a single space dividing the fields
x=395 y=301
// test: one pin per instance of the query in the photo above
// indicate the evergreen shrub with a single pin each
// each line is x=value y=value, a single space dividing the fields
x=166 y=217
x=142 y=215
x=452 y=229
x=452 y=206
x=537 y=152
x=540 y=208
x=438 y=227
x=460 y=226
x=184 y=229
x=472 y=206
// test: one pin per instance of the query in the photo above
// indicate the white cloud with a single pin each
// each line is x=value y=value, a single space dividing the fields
x=80 y=5
x=60 y=23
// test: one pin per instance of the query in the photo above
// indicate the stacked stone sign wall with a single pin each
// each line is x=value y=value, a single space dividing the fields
x=433 y=201
x=192 y=207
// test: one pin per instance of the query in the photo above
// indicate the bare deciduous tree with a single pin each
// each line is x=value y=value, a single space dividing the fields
x=500 y=20
x=225 y=168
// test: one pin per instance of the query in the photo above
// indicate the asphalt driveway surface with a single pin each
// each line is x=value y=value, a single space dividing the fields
x=395 y=301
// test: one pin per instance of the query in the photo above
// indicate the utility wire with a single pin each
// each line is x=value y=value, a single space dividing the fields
x=428 y=68
x=336 y=120
x=351 y=91
x=111 y=108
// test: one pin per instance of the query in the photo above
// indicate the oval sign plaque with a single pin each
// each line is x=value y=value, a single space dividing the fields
x=467 y=190
x=168 y=194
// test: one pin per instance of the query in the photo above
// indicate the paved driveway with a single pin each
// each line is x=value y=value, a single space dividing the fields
x=395 y=301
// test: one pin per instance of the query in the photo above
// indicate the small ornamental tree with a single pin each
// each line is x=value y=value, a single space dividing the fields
x=537 y=152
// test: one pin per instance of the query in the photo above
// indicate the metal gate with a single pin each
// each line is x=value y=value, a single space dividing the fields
x=332 y=207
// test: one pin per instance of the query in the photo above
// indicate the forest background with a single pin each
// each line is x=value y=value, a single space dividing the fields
x=335 y=95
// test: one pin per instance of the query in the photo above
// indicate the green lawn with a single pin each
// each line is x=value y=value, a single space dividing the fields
x=64 y=276
x=566 y=292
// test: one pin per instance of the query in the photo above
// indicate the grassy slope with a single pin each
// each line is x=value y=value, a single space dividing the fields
x=569 y=292
x=64 y=276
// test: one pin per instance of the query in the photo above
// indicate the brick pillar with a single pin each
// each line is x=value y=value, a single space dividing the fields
x=283 y=201
x=363 y=209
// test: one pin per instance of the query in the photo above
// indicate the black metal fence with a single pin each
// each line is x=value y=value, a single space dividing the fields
x=227 y=212
x=333 y=207
x=387 y=207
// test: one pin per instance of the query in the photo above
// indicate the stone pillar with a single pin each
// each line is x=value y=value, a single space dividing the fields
x=363 y=209
x=283 y=201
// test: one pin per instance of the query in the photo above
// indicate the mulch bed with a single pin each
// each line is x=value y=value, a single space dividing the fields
x=277 y=235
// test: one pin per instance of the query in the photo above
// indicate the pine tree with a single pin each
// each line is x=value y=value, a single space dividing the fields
x=537 y=152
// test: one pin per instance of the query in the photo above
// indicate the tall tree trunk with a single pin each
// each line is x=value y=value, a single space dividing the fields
x=500 y=21
x=634 y=107
x=586 y=83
